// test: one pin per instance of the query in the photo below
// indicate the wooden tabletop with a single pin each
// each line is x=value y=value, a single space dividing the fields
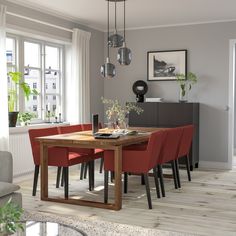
x=86 y=138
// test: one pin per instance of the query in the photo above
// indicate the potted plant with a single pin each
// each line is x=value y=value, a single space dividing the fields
x=117 y=115
x=25 y=118
x=185 y=82
x=16 y=82
x=10 y=215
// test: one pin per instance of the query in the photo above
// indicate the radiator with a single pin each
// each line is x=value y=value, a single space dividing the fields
x=22 y=155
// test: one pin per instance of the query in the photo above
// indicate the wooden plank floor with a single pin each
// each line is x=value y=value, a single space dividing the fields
x=205 y=206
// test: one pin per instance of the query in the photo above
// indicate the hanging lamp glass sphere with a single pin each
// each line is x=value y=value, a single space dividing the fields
x=115 y=40
x=108 y=70
x=124 y=55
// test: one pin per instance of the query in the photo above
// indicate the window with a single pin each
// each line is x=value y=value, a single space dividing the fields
x=41 y=63
x=34 y=85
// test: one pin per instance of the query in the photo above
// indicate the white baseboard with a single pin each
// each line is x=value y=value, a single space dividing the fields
x=214 y=165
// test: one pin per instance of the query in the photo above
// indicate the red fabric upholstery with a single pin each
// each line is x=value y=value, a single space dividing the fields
x=138 y=160
x=94 y=154
x=86 y=127
x=57 y=156
x=171 y=145
x=186 y=140
x=69 y=129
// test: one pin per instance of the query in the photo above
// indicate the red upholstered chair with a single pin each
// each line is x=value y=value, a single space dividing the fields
x=139 y=161
x=184 y=149
x=57 y=156
x=169 y=154
x=98 y=152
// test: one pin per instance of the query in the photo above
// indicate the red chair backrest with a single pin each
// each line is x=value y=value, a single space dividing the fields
x=86 y=127
x=154 y=147
x=35 y=145
x=69 y=129
x=186 y=140
x=171 y=145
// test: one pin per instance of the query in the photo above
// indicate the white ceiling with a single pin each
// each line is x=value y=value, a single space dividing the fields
x=140 y=13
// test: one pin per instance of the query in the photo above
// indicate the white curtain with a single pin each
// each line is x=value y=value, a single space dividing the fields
x=78 y=88
x=4 y=130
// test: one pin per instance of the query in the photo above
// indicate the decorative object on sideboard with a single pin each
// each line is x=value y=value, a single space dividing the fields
x=164 y=65
x=124 y=54
x=154 y=100
x=140 y=88
x=185 y=83
x=15 y=83
x=118 y=115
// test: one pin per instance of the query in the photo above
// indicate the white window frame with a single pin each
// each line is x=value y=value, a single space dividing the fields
x=19 y=66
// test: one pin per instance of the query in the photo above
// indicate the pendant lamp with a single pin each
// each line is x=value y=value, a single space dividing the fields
x=124 y=55
x=108 y=69
x=115 y=40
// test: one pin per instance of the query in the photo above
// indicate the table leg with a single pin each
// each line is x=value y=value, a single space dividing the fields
x=118 y=172
x=44 y=171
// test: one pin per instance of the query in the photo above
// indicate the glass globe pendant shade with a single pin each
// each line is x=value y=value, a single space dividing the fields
x=124 y=55
x=115 y=40
x=108 y=70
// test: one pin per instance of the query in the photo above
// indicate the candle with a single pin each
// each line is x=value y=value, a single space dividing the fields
x=48 y=107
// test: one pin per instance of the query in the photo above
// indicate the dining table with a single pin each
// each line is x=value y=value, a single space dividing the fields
x=85 y=139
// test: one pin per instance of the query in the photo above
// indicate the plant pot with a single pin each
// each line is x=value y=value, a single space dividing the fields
x=183 y=95
x=12 y=116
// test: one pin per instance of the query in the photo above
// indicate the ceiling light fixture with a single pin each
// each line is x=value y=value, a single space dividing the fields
x=115 y=40
x=108 y=69
x=124 y=55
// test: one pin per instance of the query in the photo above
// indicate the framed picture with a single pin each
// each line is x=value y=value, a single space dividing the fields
x=164 y=65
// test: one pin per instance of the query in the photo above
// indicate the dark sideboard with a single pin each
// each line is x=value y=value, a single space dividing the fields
x=163 y=114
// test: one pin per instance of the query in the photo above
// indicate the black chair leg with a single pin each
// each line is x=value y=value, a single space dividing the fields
x=36 y=175
x=142 y=180
x=101 y=165
x=188 y=168
x=91 y=175
x=112 y=176
x=156 y=182
x=82 y=171
x=85 y=170
x=177 y=173
x=174 y=174
x=148 y=191
x=125 y=182
x=58 y=176
x=159 y=167
x=66 y=178
x=106 y=176
x=62 y=177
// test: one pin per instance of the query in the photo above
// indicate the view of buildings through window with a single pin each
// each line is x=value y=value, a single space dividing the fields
x=42 y=66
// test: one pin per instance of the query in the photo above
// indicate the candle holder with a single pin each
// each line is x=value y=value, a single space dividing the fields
x=56 y=119
x=48 y=116
x=60 y=120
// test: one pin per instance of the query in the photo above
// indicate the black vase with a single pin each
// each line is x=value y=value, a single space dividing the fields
x=12 y=116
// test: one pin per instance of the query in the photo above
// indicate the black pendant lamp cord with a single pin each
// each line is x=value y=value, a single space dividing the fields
x=108 y=27
x=115 y=16
x=124 y=20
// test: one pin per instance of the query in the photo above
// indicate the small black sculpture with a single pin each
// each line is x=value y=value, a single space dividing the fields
x=140 y=88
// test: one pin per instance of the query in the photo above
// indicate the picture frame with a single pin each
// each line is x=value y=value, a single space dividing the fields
x=164 y=65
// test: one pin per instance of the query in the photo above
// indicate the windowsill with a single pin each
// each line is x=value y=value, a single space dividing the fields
x=24 y=129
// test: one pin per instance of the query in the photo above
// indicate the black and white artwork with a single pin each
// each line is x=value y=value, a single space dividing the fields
x=164 y=65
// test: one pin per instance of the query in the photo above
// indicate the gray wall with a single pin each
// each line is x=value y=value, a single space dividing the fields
x=96 y=42
x=208 y=57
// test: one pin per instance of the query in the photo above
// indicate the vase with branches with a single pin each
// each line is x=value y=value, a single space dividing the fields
x=185 y=83
x=117 y=115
